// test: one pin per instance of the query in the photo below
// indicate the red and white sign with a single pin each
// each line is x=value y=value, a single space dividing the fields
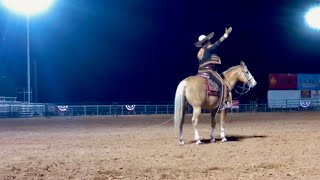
x=235 y=104
x=283 y=81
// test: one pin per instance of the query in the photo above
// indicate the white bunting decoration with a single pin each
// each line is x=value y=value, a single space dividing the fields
x=63 y=108
x=305 y=104
x=130 y=107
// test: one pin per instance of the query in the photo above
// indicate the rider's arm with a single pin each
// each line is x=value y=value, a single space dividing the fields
x=200 y=54
x=217 y=43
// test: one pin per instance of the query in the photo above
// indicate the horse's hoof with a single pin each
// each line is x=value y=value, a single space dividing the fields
x=181 y=143
x=198 y=142
x=224 y=140
x=212 y=140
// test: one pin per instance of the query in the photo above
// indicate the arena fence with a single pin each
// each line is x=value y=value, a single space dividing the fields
x=22 y=110
x=14 y=109
x=137 y=110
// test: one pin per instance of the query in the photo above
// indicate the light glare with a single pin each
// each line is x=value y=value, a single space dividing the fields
x=27 y=7
x=313 y=18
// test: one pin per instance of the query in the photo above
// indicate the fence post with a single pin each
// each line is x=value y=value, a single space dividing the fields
x=11 y=113
x=85 y=110
x=97 y=110
x=167 y=109
x=121 y=109
x=265 y=107
x=145 y=109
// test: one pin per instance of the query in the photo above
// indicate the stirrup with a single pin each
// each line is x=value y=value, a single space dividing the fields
x=228 y=105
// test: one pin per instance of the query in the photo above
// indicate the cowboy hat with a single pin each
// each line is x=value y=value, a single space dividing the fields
x=202 y=39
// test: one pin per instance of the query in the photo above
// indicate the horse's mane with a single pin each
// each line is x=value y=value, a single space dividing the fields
x=231 y=69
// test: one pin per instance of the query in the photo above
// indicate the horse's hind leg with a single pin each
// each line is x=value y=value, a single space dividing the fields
x=195 y=118
x=213 y=125
x=222 y=117
x=181 y=142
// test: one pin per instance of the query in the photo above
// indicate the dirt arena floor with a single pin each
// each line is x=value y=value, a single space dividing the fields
x=260 y=146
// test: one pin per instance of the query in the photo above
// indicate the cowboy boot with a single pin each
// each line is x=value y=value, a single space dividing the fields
x=223 y=98
x=229 y=101
x=227 y=98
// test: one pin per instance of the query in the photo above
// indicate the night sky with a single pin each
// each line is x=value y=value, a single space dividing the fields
x=139 y=50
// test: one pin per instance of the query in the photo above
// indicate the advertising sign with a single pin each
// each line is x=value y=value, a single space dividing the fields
x=309 y=81
x=284 y=98
x=283 y=81
x=315 y=94
x=305 y=94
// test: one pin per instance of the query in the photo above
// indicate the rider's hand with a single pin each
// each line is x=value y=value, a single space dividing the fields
x=228 y=31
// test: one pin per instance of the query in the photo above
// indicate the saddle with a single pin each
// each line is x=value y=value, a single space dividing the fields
x=211 y=86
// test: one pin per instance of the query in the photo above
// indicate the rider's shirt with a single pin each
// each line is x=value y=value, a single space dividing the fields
x=207 y=56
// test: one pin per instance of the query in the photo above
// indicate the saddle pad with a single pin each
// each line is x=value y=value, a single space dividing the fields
x=211 y=86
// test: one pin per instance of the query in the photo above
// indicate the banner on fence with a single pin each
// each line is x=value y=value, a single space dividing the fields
x=283 y=81
x=235 y=104
x=130 y=107
x=305 y=104
x=63 y=108
x=309 y=81
x=315 y=94
x=305 y=94
x=284 y=98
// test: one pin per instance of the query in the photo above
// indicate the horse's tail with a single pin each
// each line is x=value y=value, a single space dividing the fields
x=179 y=102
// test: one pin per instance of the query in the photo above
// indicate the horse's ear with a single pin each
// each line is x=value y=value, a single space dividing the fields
x=242 y=63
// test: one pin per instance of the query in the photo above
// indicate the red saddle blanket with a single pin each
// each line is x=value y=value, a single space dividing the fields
x=211 y=86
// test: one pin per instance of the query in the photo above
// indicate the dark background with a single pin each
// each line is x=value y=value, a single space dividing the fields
x=139 y=50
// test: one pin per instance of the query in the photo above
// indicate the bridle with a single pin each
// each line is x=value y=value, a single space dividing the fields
x=245 y=90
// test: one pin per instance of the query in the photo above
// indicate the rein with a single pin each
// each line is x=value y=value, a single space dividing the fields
x=244 y=89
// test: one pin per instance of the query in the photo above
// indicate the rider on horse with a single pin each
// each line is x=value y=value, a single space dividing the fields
x=208 y=59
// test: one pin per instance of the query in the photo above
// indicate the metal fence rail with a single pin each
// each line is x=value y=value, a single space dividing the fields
x=25 y=110
x=110 y=110
x=21 y=110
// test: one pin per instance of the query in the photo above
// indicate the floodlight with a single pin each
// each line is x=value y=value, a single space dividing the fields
x=27 y=7
x=313 y=17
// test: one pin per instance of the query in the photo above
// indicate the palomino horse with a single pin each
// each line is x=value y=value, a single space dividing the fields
x=192 y=90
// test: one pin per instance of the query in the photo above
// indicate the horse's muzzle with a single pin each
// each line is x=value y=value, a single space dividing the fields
x=252 y=83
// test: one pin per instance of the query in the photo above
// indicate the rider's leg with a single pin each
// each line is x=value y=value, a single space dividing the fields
x=230 y=98
x=217 y=78
x=227 y=98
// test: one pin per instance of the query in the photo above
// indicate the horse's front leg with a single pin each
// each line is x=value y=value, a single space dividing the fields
x=213 y=125
x=222 y=117
x=195 y=118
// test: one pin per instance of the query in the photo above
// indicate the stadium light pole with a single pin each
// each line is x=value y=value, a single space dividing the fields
x=27 y=8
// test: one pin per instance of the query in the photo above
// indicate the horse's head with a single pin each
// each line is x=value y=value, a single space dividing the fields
x=245 y=76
